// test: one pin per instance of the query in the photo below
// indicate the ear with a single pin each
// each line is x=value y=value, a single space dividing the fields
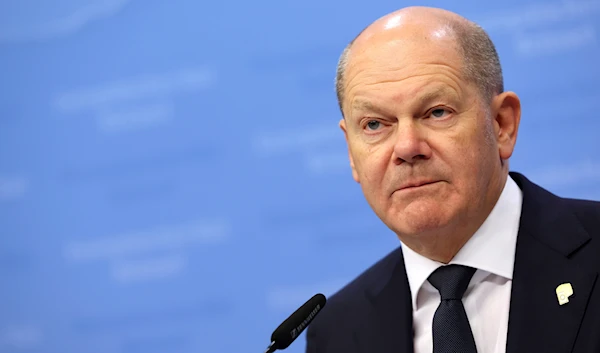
x=344 y=129
x=507 y=110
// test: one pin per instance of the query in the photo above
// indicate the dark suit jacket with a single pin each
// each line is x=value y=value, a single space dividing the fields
x=558 y=242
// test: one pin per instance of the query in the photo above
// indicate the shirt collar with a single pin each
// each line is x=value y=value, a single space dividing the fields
x=491 y=248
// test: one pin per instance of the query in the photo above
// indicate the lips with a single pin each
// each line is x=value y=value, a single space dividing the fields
x=416 y=184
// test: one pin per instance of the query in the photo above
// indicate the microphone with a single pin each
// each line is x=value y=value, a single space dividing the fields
x=293 y=326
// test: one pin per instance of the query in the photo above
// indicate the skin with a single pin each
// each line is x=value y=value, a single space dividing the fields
x=411 y=118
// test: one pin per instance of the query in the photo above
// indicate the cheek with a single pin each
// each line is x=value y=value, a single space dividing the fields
x=473 y=160
x=464 y=157
x=371 y=165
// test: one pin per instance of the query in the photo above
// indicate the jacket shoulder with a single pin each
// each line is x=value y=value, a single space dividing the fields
x=587 y=212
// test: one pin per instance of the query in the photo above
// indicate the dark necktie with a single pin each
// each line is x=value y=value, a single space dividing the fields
x=451 y=329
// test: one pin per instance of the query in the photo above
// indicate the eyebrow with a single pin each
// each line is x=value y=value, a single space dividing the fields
x=362 y=106
x=365 y=105
x=427 y=97
x=437 y=94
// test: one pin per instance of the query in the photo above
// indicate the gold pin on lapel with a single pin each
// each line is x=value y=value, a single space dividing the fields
x=563 y=292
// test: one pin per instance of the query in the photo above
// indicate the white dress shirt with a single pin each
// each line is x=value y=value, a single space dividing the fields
x=491 y=251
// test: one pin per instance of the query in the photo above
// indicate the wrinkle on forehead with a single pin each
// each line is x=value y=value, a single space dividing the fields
x=368 y=75
x=407 y=85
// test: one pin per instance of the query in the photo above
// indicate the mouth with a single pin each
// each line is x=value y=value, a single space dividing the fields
x=417 y=184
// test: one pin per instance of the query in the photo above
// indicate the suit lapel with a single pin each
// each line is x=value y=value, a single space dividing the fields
x=549 y=236
x=537 y=322
x=387 y=328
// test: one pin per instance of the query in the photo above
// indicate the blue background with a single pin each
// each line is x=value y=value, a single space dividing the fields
x=172 y=176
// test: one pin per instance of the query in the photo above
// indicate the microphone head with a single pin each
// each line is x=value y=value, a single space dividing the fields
x=294 y=325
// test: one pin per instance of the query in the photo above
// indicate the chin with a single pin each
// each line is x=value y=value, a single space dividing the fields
x=417 y=227
x=418 y=218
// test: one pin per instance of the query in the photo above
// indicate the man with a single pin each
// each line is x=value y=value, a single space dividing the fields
x=488 y=262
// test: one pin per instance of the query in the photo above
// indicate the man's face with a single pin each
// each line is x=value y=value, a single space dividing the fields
x=420 y=138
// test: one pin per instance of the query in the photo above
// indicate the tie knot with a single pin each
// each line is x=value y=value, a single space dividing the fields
x=452 y=280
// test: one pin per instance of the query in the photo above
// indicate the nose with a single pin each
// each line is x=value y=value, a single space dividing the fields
x=410 y=144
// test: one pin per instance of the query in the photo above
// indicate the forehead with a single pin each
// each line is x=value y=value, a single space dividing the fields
x=399 y=69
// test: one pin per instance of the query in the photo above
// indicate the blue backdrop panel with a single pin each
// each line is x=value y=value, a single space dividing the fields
x=172 y=177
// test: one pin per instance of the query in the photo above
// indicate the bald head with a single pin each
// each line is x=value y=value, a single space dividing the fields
x=443 y=29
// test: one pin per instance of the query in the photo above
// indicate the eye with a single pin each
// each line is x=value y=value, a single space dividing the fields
x=373 y=125
x=439 y=113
